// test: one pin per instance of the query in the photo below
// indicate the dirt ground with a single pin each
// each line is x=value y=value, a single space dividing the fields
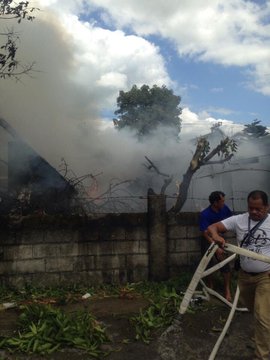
x=191 y=338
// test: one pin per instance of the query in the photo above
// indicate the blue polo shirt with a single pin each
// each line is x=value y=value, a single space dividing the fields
x=208 y=216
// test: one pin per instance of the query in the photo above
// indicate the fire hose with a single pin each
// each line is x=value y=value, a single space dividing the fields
x=200 y=273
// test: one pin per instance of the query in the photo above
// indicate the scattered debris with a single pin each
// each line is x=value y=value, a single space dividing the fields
x=86 y=296
x=7 y=305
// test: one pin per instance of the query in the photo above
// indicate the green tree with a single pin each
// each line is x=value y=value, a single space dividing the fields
x=9 y=65
x=255 y=129
x=144 y=109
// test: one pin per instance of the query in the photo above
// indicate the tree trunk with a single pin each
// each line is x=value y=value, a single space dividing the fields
x=183 y=190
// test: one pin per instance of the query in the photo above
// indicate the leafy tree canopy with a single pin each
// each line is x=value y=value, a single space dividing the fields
x=9 y=65
x=255 y=129
x=144 y=109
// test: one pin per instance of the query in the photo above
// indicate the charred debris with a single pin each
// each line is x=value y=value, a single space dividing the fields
x=30 y=185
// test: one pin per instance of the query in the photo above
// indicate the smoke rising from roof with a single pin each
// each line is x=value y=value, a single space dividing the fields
x=58 y=111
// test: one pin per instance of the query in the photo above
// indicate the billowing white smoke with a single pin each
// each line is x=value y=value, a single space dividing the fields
x=58 y=110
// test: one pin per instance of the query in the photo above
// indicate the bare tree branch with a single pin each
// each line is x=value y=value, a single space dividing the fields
x=165 y=185
x=10 y=66
x=201 y=157
x=221 y=161
x=89 y=198
x=154 y=167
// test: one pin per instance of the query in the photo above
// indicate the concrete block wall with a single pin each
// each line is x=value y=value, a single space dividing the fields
x=45 y=250
x=184 y=242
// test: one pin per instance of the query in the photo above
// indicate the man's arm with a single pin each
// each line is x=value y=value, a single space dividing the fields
x=207 y=236
x=219 y=252
x=214 y=231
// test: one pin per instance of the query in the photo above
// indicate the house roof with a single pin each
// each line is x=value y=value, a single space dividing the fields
x=26 y=165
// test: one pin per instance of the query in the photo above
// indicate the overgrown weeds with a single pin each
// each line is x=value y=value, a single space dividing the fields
x=44 y=328
x=160 y=313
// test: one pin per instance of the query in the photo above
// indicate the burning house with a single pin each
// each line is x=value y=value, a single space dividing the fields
x=28 y=183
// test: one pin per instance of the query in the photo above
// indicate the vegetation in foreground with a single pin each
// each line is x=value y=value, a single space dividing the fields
x=43 y=326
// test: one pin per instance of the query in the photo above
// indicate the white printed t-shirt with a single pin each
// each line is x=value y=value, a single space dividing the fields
x=259 y=242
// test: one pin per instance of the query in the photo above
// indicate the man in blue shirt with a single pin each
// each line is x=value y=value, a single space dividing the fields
x=215 y=212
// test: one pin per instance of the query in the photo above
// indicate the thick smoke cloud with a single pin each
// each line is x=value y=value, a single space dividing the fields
x=81 y=69
x=58 y=111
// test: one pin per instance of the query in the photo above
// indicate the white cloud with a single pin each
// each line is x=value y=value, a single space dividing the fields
x=113 y=79
x=260 y=78
x=60 y=7
x=194 y=125
x=235 y=32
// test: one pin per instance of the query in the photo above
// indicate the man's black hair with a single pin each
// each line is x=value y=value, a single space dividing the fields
x=258 y=194
x=215 y=196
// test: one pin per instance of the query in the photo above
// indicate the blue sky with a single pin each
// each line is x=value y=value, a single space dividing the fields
x=221 y=90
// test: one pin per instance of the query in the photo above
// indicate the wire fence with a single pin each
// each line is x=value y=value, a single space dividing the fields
x=138 y=203
x=110 y=203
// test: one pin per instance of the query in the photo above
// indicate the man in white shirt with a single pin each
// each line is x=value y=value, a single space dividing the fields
x=253 y=233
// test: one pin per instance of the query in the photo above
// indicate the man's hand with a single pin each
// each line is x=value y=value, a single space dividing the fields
x=219 y=240
x=220 y=254
x=214 y=232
